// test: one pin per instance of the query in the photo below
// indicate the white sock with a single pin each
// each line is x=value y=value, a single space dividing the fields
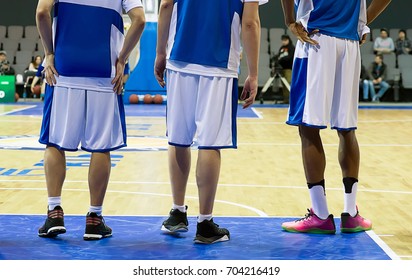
x=53 y=201
x=181 y=208
x=96 y=209
x=201 y=218
x=319 y=204
x=349 y=201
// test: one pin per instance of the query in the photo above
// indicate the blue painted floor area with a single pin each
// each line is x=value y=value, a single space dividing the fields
x=134 y=110
x=140 y=238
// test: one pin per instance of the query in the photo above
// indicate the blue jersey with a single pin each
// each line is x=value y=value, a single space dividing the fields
x=39 y=72
x=88 y=37
x=338 y=18
x=206 y=33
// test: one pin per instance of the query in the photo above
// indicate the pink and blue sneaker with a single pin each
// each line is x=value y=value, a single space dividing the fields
x=311 y=224
x=349 y=224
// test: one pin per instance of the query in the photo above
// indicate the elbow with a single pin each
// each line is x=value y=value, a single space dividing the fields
x=166 y=4
x=141 y=22
x=252 y=24
x=42 y=13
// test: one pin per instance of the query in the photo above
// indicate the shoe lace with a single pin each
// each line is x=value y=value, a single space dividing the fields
x=307 y=216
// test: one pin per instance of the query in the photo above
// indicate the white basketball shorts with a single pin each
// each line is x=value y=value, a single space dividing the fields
x=201 y=106
x=73 y=116
x=325 y=84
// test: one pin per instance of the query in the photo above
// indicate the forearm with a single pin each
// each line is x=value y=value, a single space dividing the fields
x=134 y=33
x=375 y=8
x=251 y=37
x=34 y=82
x=163 y=25
x=288 y=11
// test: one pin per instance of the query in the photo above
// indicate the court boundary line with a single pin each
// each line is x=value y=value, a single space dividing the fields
x=382 y=245
x=194 y=184
x=18 y=110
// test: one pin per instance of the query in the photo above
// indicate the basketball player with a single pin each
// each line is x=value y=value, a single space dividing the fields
x=85 y=61
x=324 y=90
x=199 y=45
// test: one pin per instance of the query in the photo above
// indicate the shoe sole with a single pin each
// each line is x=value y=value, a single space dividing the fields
x=203 y=240
x=316 y=231
x=353 y=230
x=89 y=237
x=53 y=232
x=175 y=229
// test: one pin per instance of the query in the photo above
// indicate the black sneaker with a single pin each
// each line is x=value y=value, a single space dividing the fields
x=54 y=223
x=208 y=232
x=177 y=222
x=96 y=228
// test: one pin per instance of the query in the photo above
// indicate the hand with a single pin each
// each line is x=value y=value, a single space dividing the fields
x=49 y=71
x=117 y=81
x=363 y=39
x=300 y=32
x=249 y=91
x=159 y=69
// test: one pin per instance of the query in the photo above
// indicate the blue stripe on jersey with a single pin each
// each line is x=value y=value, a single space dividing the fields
x=338 y=18
x=298 y=91
x=203 y=31
x=82 y=43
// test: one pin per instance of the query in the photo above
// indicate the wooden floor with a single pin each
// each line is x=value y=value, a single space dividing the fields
x=263 y=177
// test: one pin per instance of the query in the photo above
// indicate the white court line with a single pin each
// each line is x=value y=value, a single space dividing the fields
x=258 y=114
x=257 y=211
x=17 y=110
x=190 y=183
x=325 y=145
x=383 y=245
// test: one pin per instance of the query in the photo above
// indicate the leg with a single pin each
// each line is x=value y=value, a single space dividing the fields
x=207 y=177
x=313 y=155
x=55 y=170
x=99 y=173
x=179 y=169
x=318 y=219
x=384 y=87
x=348 y=153
x=349 y=158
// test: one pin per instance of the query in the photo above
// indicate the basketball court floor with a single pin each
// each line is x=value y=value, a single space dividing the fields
x=262 y=184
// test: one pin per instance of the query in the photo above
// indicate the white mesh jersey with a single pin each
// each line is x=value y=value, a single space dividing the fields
x=88 y=36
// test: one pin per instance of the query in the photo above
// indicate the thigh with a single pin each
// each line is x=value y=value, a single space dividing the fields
x=182 y=93
x=105 y=125
x=313 y=81
x=344 y=113
x=216 y=113
x=63 y=117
